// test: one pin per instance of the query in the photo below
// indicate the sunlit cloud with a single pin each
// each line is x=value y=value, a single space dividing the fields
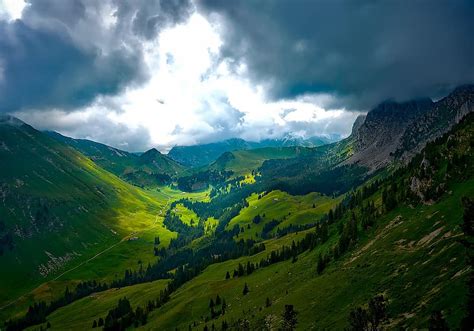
x=193 y=95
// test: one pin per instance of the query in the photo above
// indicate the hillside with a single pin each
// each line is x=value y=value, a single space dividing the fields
x=384 y=239
x=278 y=226
x=59 y=208
x=243 y=162
x=149 y=169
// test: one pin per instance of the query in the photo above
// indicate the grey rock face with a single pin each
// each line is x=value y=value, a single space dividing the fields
x=397 y=131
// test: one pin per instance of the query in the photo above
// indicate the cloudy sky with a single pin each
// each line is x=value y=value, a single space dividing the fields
x=137 y=74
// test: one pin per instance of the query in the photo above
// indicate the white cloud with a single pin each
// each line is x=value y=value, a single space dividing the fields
x=11 y=9
x=193 y=96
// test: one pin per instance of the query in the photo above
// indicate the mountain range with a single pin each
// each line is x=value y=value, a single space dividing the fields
x=372 y=231
x=200 y=155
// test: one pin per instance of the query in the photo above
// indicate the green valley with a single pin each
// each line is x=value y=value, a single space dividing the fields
x=257 y=240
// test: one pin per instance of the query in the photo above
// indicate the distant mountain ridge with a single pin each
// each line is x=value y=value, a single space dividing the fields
x=204 y=154
x=150 y=168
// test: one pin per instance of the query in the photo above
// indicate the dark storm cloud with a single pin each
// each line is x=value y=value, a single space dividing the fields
x=45 y=69
x=361 y=51
x=149 y=17
x=61 y=55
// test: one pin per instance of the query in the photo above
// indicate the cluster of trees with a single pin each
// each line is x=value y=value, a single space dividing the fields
x=268 y=228
x=242 y=270
x=217 y=307
x=304 y=175
x=287 y=322
x=121 y=317
x=233 y=201
x=362 y=319
x=309 y=242
x=174 y=223
x=143 y=178
x=226 y=186
x=202 y=179
x=38 y=311
x=294 y=228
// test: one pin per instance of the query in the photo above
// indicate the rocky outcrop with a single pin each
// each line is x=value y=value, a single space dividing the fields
x=358 y=123
x=397 y=131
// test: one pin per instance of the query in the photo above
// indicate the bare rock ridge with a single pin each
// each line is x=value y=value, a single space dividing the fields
x=397 y=131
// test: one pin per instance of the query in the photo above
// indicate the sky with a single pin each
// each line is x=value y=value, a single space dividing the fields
x=137 y=74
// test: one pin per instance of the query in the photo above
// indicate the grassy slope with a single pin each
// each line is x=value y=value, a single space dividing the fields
x=412 y=256
x=418 y=265
x=123 y=163
x=80 y=314
x=186 y=215
x=242 y=162
x=93 y=212
x=113 y=262
x=111 y=159
x=280 y=206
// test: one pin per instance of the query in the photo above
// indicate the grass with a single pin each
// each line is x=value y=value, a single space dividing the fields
x=416 y=279
x=244 y=161
x=412 y=256
x=80 y=314
x=283 y=207
x=186 y=215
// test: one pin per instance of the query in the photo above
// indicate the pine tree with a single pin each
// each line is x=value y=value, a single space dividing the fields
x=289 y=318
x=377 y=311
x=211 y=303
x=224 y=306
x=246 y=289
x=218 y=300
x=94 y=324
x=268 y=303
x=437 y=322
x=330 y=216
x=321 y=264
x=227 y=275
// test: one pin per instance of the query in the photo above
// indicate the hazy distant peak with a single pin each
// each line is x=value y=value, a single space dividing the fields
x=10 y=120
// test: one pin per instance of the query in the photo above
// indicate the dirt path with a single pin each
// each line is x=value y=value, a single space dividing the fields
x=155 y=224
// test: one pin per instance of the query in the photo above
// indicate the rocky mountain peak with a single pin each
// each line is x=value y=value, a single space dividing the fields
x=400 y=129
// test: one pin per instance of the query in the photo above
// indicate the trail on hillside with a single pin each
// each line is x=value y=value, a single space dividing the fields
x=155 y=224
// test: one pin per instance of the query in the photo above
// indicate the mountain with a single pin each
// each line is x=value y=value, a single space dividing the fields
x=330 y=263
x=397 y=131
x=201 y=155
x=391 y=134
x=57 y=207
x=112 y=159
x=153 y=161
x=243 y=162
x=146 y=170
